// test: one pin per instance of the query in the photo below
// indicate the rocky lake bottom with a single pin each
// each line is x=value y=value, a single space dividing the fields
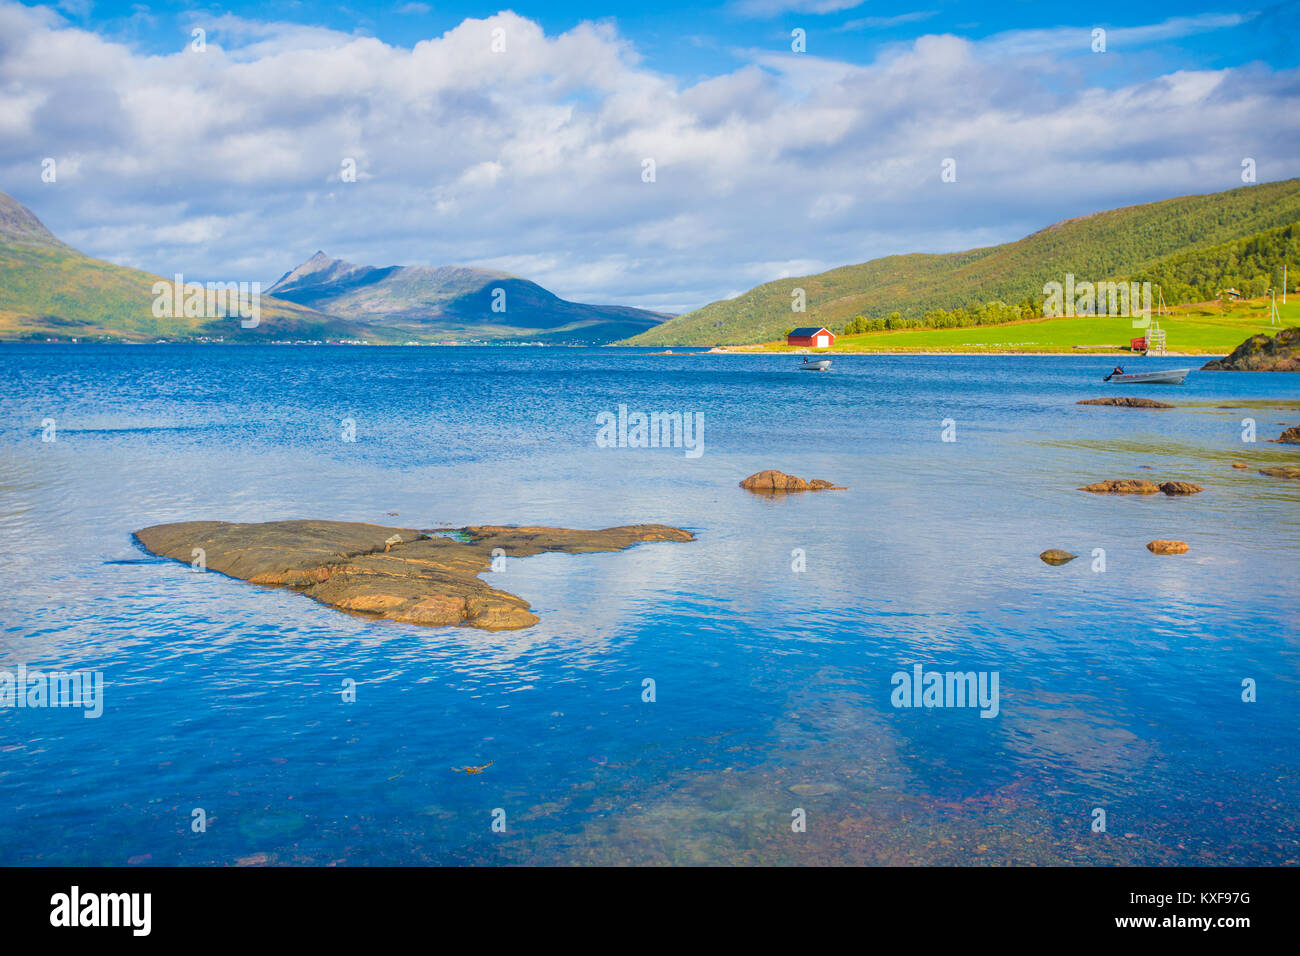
x=734 y=698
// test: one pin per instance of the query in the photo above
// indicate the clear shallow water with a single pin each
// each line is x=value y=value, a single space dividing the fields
x=1119 y=690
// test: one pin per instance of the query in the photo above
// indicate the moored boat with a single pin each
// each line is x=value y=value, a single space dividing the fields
x=1172 y=376
x=816 y=365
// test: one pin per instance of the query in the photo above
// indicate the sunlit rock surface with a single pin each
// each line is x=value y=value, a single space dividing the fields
x=400 y=574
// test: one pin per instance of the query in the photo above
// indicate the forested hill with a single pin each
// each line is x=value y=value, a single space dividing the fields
x=1252 y=266
x=1105 y=245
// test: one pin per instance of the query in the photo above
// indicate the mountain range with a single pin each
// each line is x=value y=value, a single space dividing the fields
x=50 y=290
x=1143 y=240
x=1192 y=246
x=454 y=302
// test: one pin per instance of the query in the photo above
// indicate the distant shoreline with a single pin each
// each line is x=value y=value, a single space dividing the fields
x=1080 y=353
x=680 y=350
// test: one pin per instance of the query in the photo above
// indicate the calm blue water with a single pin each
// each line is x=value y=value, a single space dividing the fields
x=1119 y=690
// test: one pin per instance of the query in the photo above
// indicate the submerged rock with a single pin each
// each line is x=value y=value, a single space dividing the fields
x=1240 y=466
x=400 y=574
x=819 y=789
x=1281 y=471
x=1125 y=402
x=1167 y=546
x=1056 y=557
x=1262 y=353
x=1140 y=486
x=771 y=481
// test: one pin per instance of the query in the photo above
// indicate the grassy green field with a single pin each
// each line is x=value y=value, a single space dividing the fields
x=1205 y=328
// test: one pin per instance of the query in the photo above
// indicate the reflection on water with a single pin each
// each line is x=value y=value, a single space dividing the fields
x=1120 y=689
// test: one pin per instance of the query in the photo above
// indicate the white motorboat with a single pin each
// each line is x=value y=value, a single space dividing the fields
x=1172 y=376
x=816 y=365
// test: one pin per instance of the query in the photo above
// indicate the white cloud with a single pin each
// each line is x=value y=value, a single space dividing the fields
x=76 y=8
x=773 y=8
x=883 y=23
x=229 y=161
x=1078 y=40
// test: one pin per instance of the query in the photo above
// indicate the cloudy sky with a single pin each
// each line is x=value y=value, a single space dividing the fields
x=226 y=159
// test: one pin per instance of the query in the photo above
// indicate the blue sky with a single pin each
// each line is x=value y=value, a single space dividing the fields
x=226 y=162
x=692 y=40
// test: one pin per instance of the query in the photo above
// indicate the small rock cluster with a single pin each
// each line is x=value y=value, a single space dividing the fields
x=772 y=481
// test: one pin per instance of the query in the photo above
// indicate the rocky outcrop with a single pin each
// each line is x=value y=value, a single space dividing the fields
x=1173 y=488
x=1057 y=557
x=400 y=574
x=1140 y=486
x=1281 y=471
x=1166 y=546
x=1289 y=437
x=777 y=482
x=1262 y=353
x=1123 y=486
x=1125 y=402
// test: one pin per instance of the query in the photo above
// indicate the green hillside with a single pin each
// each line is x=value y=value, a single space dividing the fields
x=1106 y=245
x=1249 y=266
x=1252 y=266
x=50 y=290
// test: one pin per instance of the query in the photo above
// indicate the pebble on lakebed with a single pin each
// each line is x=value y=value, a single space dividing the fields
x=399 y=574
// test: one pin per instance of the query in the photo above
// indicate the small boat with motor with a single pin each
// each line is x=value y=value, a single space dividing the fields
x=1171 y=376
x=815 y=365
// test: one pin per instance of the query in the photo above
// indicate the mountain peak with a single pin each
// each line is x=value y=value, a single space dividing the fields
x=319 y=268
x=19 y=226
x=319 y=260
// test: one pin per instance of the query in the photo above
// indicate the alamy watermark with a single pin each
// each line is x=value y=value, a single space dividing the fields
x=75 y=908
x=922 y=688
x=213 y=300
x=626 y=429
x=1071 y=298
x=84 y=689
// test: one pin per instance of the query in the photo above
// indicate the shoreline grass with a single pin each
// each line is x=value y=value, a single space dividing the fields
x=1200 y=328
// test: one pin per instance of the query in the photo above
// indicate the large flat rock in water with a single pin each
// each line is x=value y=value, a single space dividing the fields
x=401 y=574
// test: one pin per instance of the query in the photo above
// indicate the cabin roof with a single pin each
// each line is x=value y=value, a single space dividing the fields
x=808 y=333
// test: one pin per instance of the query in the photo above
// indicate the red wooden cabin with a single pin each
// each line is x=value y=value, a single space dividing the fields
x=812 y=338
